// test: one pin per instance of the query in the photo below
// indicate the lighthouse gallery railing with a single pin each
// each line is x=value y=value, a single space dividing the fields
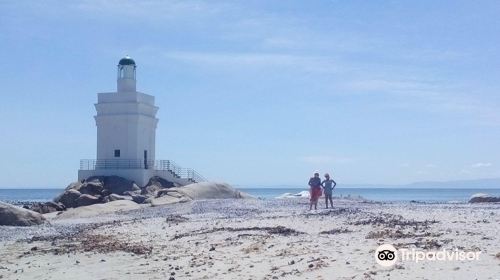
x=164 y=165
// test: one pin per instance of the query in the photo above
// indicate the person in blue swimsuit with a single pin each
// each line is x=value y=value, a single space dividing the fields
x=328 y=186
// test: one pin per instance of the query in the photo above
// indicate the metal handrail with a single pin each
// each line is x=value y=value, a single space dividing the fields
x=163 y=165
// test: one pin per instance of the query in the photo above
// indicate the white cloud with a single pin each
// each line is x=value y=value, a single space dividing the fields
x=317 y=159
x=325 y=159
x=147 y=9
x=258 y=59
x=481 y=164
x=393 y=85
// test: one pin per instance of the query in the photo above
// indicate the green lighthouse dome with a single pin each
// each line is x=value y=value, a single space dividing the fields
x=126 y=61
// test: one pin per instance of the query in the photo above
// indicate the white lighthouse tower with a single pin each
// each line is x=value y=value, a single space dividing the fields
x=126 y=120
x=126 y=129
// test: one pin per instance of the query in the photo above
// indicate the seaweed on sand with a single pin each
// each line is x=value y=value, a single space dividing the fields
x=278 y=230
x=392 y=221
x=336 y=231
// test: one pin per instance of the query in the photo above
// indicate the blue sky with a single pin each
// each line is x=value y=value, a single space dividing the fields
x=259 y=92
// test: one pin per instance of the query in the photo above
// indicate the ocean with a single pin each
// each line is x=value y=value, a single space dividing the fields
x=384 y=194
x=31 y=195
x=376 y=194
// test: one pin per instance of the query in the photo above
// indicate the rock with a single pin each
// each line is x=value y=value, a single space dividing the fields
x=11 y=215
x=68 y=198
x=47 y=207
x=151 y=190
x=74 y=186
x=114 y=197
x=170 y=192
x=97 y=189
x=106 y=185
x=117 y=185
x=139 y=198
x=166 y=200
x=98 y=209
x=86 y=199
x=56 y=206
x=482 y=197
x=132 y=193
x=156 y=184
x=93 y=188
x=204 y=190
x=113 y=188
x=211 y=190
x=159 y=181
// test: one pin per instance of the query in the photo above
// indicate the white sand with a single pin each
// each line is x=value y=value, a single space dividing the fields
x=249 y=239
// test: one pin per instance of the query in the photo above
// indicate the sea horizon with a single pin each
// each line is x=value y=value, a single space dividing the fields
x=287 y=187
x=402 y=194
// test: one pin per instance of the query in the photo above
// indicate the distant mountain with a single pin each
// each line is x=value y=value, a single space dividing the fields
x=488 y=183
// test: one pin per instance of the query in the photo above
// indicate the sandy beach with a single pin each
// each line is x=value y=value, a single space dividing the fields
x=254 y=239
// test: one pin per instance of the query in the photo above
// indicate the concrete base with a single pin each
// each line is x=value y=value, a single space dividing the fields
x=139 y=176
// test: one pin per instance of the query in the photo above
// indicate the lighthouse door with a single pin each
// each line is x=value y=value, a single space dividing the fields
x=145 y=159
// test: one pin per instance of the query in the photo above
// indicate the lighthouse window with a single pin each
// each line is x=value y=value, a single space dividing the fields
x=117 y=153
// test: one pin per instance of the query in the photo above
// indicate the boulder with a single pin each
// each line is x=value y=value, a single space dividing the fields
x=114 y=197
x=74 y=186
x=211 y=190
x=151 y=190
x=159 y=181
x=166 y=200
x=98 y=209
x=98 y=189
x=93 y=188
x=482 y=197
x=139 y=198
x=171 y=192
x=132 y=193
x=86 y=199
x=156 y=184
x=47 y=207
x=115 y=184
x=204 y=190
x=11 y=215
x=68 y=198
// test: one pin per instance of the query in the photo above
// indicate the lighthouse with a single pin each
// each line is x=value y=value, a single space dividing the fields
x=126 y=120
x=126 y=134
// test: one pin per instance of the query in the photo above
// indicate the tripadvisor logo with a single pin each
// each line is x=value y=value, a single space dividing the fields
x=387 y=255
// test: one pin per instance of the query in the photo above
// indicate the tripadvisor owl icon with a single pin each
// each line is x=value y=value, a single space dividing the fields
x=386 y=255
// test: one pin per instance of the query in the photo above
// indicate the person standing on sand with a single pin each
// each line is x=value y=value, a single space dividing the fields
x=315 y=190
x=328 y=186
